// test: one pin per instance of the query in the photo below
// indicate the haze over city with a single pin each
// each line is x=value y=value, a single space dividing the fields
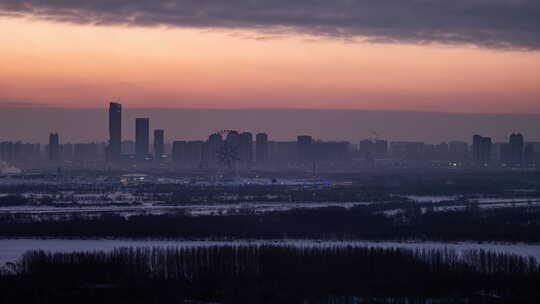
x=90 y=125
x=270 y=151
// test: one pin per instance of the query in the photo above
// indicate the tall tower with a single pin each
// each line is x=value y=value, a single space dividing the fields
x=246 y=147
x=142 y=137
x=516 y=149
x=261 y=148
x=304 y=148
x=115 y=131
x=159 y=143
x=54 y=147
x=215 y=142
x=481 y=149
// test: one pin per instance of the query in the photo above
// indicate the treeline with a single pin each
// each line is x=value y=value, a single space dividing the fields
x=272 y=274
x=13 y=200
x=361 y=222
x=459 y=182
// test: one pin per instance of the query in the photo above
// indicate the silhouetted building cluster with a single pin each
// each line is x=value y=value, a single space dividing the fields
x=18 y=152
x=243 y=151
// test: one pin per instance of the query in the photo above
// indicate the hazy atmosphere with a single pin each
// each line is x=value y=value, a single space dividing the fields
x=280 y=124
x=270 y=151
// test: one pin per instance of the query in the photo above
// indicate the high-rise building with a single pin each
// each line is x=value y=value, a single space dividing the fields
x=283 y=153
x=215 y=142
x=178 y=153
x=366 y=149
x=142 y=137
x=408 y=150
x=529 y=154
x=458 y=150
x=67 y=151
x=442 y=151
x=193 y=153
x=304 y=148
x=381 y=148
x=85 y=152
x=7 y=151
x=481 y=149
x=245 y=148
x=516 y=149
x=372 y=149
x=128 y=147
x=261 y=148
x=159 y=143
x=233 y=139
x=331 y=153
x=500 y=152
x=115 y=131
x=19 y=152
x=54 y=147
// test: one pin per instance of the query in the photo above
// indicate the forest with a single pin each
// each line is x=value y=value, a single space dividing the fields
x=370 y=222
x=271 y=274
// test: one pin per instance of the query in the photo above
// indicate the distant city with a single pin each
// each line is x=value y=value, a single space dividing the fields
x=241 y=151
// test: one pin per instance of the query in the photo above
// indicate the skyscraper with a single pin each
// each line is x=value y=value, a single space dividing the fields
x=233 y=139
x=246 y=148
x=528 y=154
x=381 y=148
x=458 y=150
x=261 y=148
x=54 y=147
x=481 y=149
x=142 y=137
x=215 y=142
x=159 y=143
x=193 y=152
x=178 y=153
x=115 y=131
x=516 y=149
x=305 y=153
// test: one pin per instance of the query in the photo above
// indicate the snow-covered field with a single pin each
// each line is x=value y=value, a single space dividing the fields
x=148 y=208
x=439 y=204
x=12 y=249
x=431 y=199
x=451 y=198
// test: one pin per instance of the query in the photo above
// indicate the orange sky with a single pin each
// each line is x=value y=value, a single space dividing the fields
x=86 y=66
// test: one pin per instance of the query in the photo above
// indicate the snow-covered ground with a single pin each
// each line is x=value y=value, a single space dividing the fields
x=505 y=200
x=153 y=207
x=431 y=199
x=452 y=198
x=201 y=209
x=12 y=249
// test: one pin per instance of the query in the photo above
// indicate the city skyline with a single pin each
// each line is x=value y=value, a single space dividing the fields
x=233 y=149
x=78 y=125
x=270 y=151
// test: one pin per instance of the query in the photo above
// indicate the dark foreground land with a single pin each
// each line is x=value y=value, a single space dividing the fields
x=280 y=274
x=271 y=274
x=372 y=222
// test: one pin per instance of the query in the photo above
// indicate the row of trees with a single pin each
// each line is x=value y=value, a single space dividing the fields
x=275 y=274
x=519 y=224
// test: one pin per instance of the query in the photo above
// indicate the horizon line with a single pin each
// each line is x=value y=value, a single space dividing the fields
x=105 y=107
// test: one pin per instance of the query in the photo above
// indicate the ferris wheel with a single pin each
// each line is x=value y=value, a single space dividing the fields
x=227 y=154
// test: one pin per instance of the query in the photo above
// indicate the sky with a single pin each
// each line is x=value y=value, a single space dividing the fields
x=461 y=56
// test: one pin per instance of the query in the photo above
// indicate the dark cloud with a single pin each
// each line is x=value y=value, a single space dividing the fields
x=513 y=24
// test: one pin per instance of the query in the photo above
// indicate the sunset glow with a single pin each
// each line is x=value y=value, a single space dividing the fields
x=73 y=65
